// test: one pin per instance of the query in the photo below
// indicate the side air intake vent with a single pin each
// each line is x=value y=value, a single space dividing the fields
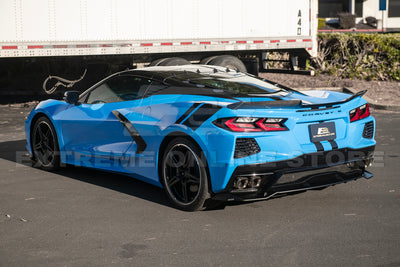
x=368 y=130
x=246 y=147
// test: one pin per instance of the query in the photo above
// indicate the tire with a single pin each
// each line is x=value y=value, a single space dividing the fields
x=157 y=62
x=45 y=148
x=170 y=61
x=207 y=60
x=230 y=62
x=183 y=174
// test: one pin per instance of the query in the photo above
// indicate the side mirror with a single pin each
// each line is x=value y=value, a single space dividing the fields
x=71 y=97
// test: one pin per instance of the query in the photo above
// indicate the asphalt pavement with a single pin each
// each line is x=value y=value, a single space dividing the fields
x=81 y=217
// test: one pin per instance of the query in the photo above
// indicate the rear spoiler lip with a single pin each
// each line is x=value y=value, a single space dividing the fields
x=358 y=94
x=290 y=103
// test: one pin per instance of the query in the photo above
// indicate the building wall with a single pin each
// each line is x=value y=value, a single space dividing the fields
x=371 y=8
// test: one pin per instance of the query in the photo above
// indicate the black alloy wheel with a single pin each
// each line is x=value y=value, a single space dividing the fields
x=45 y=145
x=184 y=175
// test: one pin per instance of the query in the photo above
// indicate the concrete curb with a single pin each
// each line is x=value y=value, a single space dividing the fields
x=371 y=102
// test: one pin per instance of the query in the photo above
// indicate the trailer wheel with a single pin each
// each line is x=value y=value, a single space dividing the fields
x=207 y=60
x=170 y=61
x=230 y=62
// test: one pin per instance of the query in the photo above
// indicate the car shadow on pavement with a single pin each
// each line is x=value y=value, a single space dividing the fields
x=15 y=151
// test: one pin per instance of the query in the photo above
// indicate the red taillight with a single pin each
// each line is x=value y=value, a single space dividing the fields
x=268 y=125
x=238 y=126
x=359 y=113
x=364 y=111
x=354 y=114
x=248 y=124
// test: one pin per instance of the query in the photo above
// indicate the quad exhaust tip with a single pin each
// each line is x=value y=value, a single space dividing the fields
x=362 y=164
x=247 y=182
x=369 y=162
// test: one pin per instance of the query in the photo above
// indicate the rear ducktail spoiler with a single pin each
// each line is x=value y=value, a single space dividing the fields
x=290 y=103
x=328 y=105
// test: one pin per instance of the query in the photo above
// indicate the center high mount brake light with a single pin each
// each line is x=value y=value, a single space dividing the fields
x=250 y=124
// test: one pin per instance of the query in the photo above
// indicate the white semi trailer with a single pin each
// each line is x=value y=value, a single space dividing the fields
x=158 y=32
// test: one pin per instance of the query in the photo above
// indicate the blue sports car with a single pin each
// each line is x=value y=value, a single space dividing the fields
x=206 y=134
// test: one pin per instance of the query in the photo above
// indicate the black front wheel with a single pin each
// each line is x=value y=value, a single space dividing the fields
x=45 y=147
x=184 y=175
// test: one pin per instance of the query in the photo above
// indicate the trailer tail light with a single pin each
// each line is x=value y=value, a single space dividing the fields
x=359 y=113
x=249 y=124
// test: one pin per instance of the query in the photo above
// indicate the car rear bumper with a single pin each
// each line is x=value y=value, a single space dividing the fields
x=308 y=171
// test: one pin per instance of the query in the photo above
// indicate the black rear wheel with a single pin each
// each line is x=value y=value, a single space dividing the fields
x=184 y=175
x=45 y=147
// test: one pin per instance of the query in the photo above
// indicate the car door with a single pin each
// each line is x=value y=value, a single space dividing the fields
x=94 y=132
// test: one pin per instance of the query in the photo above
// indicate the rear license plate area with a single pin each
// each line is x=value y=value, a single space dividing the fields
x=322 y=131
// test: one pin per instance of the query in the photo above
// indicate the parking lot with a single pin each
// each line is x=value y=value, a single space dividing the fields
x=82 y=217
